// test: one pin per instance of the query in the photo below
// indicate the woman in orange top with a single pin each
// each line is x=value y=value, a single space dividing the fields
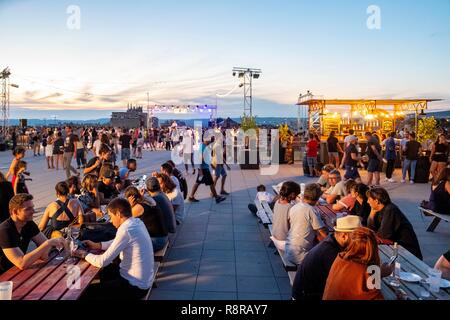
x=348 y=276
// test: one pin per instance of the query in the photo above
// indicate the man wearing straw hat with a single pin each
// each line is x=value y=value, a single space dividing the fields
x=312 y=274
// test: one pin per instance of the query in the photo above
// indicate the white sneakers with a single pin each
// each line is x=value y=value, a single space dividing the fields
x=411 y=182
x=403 y=181
x=391 y=180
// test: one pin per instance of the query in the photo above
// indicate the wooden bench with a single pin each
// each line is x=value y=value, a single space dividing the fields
x=437 y=218
x=159 y=255
x=268 y=210
x=288 y=266
x=261 y=214
x=156 y=267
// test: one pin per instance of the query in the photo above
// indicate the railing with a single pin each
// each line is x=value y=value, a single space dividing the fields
x=308 y=97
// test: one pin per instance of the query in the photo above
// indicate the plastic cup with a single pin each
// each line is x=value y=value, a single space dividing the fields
x=435 y=280
x=6 y=289
x=302 y=188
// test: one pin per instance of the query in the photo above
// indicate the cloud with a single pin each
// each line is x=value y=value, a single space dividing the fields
x=51 y=96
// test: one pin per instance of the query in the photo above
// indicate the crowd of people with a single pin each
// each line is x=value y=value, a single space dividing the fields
x=328 y=262
x=333 y=266
x=382 y=154
x=143 y=214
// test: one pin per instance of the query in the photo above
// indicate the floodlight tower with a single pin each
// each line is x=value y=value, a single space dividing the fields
x=247 y=75
x=5 y=97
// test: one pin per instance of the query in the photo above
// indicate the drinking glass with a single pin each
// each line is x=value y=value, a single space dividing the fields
x=425 y=289
x=6 y=289
x=75 y=233
x=60 y=250
x=394 y=280
x=435 y=280
x=302 y=188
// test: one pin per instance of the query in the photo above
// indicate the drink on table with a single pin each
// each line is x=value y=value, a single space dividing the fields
x=6 y=289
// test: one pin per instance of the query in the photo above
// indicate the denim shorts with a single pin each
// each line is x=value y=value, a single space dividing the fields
x=312 y=162
x=220 y=171
x=333 y=154
x=126 y=154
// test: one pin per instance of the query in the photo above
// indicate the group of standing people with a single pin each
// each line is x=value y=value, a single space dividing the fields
x=381 y=154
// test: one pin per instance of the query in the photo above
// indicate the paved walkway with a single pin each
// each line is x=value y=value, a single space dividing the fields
x=221 y=252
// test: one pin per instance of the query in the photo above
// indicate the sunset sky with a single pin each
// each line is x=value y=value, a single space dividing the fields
x=182 y=52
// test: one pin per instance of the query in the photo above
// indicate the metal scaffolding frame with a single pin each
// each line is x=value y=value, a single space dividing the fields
x=247 y=75
x=5 y=84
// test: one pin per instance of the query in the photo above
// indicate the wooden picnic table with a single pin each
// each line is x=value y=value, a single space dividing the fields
x=51 y=280
x=409 y=263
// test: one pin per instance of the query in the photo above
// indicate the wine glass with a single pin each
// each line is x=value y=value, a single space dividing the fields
x=60 y=249
x=72 y=236
x=75 y=233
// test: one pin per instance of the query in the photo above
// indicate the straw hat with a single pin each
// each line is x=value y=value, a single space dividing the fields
x=348 y=224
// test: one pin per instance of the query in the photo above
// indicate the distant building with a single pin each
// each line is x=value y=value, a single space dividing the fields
x=134 y=117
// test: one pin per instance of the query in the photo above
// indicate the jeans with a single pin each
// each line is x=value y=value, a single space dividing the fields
x=252 y=208
x=67 y=162
x=390 y=168
x=113 y=287
x=159 y=243
x=80 y=158
x=407 y=164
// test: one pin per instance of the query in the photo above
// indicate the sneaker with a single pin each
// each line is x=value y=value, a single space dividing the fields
x=193 y=200
x=403 y=181
x=411 y=182
x=391 y=180
x=224 y=193
x=220 y=199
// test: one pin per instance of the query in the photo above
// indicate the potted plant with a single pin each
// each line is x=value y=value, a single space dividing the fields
x=250 y=145
x=284 y=139
x=426 y=132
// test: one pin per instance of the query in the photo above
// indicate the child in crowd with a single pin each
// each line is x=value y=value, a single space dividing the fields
x=18 y=180
x=261 y=196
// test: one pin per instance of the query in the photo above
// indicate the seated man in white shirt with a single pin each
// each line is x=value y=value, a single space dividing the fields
x=132 y=279
x=337 y=188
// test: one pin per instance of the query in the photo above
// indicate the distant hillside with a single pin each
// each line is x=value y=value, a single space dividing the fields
x=190 y=122
x=40 y=122
x=442 y=114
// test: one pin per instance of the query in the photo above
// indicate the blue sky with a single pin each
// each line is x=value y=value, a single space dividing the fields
x=182 y=52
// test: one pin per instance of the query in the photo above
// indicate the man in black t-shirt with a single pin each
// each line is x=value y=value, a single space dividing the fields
x=18 y=231
x=106 y=187
x=125 y=142
x=412 y=152
x=333 y=150
x=95 y=164
x=389 y=222
x=352 y=158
